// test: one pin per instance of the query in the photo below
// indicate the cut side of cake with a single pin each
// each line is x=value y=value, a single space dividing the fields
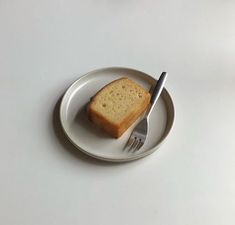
x=117 y=106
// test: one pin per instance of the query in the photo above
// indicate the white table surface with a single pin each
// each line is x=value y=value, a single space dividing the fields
x=46 y=45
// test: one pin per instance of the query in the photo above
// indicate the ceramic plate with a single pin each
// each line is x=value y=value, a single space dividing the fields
x=94 y=141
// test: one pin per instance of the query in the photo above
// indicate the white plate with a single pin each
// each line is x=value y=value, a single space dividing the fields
x=95 y=142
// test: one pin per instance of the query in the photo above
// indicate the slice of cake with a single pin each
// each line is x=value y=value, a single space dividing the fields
x=117 y=105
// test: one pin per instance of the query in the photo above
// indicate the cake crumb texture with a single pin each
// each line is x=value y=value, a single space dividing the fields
x=116 y=106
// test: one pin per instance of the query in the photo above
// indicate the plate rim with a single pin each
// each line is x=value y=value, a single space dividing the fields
x=125 y=159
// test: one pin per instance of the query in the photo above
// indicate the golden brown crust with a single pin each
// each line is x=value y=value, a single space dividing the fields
x=116 y=130
x=103 y=123
x=94 y=97
x=113 y=129
x=130 y=119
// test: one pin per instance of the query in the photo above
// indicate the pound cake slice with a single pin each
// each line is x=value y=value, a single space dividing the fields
x=117 y=105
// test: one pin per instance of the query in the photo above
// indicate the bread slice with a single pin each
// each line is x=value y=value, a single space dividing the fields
x=117 y=105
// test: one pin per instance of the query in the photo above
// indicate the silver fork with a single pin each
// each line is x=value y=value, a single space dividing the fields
x=139 y=134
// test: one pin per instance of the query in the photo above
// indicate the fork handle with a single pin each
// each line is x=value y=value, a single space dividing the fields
x=156 y=92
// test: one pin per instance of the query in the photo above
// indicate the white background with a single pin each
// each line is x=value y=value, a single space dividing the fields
x=46 y=45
